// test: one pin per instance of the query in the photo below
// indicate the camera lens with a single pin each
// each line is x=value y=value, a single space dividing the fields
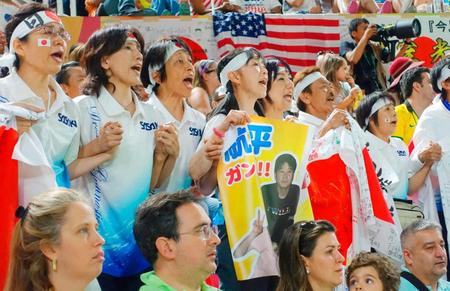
x=407 y=28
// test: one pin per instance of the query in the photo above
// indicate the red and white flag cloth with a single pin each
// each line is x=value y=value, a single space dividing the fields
x=24 y=173
x=35 y=172
x=9 y=199
x=344 y=189
x=297 y=41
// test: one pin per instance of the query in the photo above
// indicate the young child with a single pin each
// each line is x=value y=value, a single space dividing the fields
x=335 y=69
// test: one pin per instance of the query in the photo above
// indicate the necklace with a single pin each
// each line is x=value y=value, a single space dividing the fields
x=128 y=105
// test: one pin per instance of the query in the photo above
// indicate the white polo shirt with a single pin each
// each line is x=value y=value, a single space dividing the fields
x=59 y=131
x=190 y=132
x=392 y=163
x=118 y=186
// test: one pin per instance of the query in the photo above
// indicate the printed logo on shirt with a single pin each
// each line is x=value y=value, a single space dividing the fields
x=3 y=99
x=66 y=120
x=401 y=153
x=195 y=131
x=148 y=126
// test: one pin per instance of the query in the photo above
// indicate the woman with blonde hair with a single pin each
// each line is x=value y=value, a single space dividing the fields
x=55 y=244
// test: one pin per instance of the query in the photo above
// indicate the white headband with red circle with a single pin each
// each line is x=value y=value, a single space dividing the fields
x=27 y=25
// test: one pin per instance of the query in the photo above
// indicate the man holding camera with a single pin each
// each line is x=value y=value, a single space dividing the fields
x=366 y=56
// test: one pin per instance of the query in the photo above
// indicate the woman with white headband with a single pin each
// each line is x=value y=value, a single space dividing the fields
x=432 y=131
x=168 y=75
x=397 y=174
x=244 y=75
x=144 y=149
x=37 y=43
x=314 y=99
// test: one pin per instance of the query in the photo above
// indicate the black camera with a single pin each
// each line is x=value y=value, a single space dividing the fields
x=402 y=29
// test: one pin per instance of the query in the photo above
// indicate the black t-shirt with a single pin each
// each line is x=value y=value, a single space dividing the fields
x=280 y=212
x=365 y=71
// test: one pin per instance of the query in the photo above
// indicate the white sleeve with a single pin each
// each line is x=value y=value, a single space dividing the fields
x=273 y=4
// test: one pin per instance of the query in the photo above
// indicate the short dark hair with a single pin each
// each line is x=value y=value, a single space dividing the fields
x=156 y=217
x=155 y=55
x=388 y=272
x=103 y=43
x=62 y=77
x=365 y=107
x=285 y=158
x=436 y=73
x=410 y=77
x=23 y=12
x=273 y=65
x=354 y=23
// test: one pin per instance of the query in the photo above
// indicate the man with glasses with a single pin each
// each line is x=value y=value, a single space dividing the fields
x=175 y=235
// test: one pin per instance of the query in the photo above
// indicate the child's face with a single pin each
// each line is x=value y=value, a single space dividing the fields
x=365 y=279
x=342 y=72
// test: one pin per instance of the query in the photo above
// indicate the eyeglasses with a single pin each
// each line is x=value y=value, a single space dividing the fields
x=53 y=31
x=205 y=231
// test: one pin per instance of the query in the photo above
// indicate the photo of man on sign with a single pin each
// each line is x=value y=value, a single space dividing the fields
x=281 y=198
x=280 y=205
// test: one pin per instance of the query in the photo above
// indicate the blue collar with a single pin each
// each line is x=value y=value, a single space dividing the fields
x=446 y=104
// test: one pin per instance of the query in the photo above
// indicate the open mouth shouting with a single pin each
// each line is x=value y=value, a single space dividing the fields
x=288 y=98
x=137 y=68
x=188 y=82
x=58 y=56
x=330 y=98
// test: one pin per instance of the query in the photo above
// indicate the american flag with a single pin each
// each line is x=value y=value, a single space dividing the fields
x=295 y=38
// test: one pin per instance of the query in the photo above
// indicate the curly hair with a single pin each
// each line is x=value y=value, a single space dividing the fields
x=388 y=272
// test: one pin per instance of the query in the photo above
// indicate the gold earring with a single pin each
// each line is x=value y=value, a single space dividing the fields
x=54 y=265
x=307 y=271
x=108 y=73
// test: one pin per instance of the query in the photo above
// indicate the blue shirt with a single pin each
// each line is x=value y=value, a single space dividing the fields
x=405 y=285
x=118 y=186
